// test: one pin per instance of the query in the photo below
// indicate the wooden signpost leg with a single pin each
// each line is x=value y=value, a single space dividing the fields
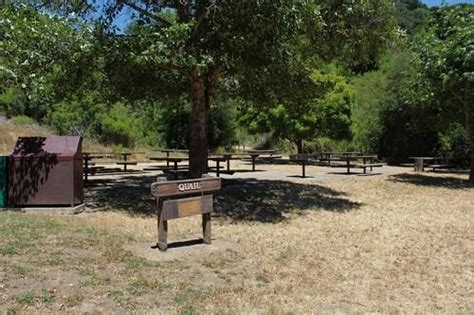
x=162 y=234
x=206 y=227
x=304 y=170
x=162 y=225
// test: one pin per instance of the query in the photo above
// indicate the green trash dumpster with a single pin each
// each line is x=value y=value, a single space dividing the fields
x=3 y=181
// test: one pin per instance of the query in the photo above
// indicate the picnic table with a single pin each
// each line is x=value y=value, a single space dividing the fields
x=219 y=159
x=420 y=162
x=125 y=161
x=168 y=151
x=365 y=158
x=87 y=157
x=335 y=156
x=302 y=158
x=254 y=154
x=262 y=151
x=228 y=156
x=177 y=160
x=168 y=159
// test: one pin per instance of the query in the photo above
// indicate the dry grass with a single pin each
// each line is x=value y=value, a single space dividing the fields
x=405 y=245
x=9 y=133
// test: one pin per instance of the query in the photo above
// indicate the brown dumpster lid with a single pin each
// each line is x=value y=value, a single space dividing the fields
x=60 y=146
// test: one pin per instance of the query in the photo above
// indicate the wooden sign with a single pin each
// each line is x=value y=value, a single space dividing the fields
x=185 y=187
x=169 y=207
x=179 y=208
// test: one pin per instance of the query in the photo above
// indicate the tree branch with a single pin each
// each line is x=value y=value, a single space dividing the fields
x=183 y=7
x=203 y=14
x=146 y=13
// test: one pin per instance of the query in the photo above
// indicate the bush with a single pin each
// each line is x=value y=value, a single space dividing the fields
x=120 y=127
x=222 y=126
x=79 y=115
x=23 y=121
x=454 y=145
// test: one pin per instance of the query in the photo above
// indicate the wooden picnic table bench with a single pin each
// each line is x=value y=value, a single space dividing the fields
x=168 y=151
x=272 y=158
x=87 y=157
x=351 y=162
x=439 y=166
x=261 y=151
x=93 y=170
x=174 y=160
x=126 y=163
x=368 y=165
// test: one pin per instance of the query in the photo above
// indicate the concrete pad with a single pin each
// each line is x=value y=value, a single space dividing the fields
x=50 y=210
x=182 y=249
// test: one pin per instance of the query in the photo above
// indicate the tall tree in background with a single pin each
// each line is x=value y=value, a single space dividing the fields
x=320 y=106
x=36 y=50
x=248 y=43
x=203 y=40
x=445 y=54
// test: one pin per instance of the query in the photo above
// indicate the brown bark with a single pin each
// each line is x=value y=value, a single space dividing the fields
x=299 y=144
x=203 y=89
x=468 y=115
x=198 y=149
x=471 y=174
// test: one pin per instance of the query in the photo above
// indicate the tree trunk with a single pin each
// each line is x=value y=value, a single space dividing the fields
x=299 y=144
x=471 y=174
x=469 y=116
x=198 y=149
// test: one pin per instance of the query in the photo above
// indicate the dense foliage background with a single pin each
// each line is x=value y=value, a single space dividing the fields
x=402 y=87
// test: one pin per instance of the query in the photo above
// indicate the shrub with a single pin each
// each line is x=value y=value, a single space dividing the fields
x=120 y=127
x=23 y=120
x=453 y=145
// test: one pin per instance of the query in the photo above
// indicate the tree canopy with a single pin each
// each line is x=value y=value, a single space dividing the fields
x=391 y=77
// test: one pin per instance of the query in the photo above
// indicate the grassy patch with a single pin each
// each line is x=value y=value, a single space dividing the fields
x=47 y=297
x=14 y=247
x=144 y=284
x=98 y=280
x=13 y=310
x=262 y=279
x=185 y=301
x=22 y=270
x=27 y=298
x=74 y=300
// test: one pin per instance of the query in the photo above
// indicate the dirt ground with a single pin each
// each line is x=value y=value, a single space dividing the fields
x=393 y=241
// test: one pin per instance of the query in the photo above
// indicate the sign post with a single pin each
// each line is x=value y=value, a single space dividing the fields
x=182 y=198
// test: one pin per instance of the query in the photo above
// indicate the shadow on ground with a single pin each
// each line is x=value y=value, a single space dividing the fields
x=238 y=200
x=424 y=180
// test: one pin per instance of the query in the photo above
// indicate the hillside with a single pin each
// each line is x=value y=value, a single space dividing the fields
x=10 y=130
